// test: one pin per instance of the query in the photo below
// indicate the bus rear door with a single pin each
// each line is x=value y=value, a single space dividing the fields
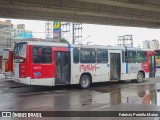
x=62 y=67
x=115 y=66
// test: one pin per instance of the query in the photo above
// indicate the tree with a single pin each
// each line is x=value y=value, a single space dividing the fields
x=63 y=40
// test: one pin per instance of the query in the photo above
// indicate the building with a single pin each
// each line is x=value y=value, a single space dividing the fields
x=5 y=37
x=146 y=44
x=9 y=34
x=151 y=44
x=154 y=44
x=20 y=32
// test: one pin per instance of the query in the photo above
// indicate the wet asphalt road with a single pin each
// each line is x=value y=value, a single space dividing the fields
x=120 y=96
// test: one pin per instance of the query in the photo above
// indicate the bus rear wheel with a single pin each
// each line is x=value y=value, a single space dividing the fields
x=140 y=77
x=85 y=81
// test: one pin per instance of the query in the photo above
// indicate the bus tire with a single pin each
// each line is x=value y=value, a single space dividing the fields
x=85 y=81
x=140 y=77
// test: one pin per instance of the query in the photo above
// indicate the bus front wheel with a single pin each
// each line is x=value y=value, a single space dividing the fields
x=140 y=77
x=85 y=81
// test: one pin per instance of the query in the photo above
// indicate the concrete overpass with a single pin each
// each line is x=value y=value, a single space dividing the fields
x=141 y=13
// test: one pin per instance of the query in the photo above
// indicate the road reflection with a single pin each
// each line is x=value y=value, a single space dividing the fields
x=72 y=98
x=132 y=96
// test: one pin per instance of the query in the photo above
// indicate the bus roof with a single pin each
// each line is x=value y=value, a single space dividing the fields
x=57 y=44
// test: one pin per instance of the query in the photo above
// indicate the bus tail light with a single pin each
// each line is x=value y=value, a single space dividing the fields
x=22 y=71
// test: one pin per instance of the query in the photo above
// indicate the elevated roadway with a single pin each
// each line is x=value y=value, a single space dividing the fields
x=138 y=13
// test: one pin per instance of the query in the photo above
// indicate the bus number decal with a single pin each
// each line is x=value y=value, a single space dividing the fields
x=36 y=67
x=88 y=67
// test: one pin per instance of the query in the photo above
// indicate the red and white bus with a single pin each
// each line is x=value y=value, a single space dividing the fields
x=7 y=63
x=50 y=64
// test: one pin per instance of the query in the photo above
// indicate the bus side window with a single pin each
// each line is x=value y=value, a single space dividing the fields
x=81 y=56
x=76 y=55
x=102 y=56
x=141 y=56
x=46 y=55
x=36 y=59
x=87 y=56
x=126 y=56
x=130 y=56
x=99 y=56
x=36 y=55
x=84 y=56
x=49 y=56
x=123 y=57
x=42 y=54
x=92 y=56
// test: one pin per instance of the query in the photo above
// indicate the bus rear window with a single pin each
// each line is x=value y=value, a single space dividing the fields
x=19 y=52
x=42 y=54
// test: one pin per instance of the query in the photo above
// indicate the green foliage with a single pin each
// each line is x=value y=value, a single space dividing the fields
x=63 y=40
x=157 y=57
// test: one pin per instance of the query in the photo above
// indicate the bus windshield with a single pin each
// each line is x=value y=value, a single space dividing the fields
x=20 y=52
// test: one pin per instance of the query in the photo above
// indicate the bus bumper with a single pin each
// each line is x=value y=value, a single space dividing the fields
x=40 y=82
x=22 y=80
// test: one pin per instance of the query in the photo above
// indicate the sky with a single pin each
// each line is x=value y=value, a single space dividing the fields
x=97 y=34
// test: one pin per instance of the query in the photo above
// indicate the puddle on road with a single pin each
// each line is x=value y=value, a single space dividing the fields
x=108 y=95
x=115 y=95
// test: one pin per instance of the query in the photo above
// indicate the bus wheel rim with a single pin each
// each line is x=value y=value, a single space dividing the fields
x=85 y=82
x=140 y=77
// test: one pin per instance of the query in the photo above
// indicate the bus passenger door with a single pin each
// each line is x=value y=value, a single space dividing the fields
x=62 y=68
x=115 y=66
x=152 y=66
